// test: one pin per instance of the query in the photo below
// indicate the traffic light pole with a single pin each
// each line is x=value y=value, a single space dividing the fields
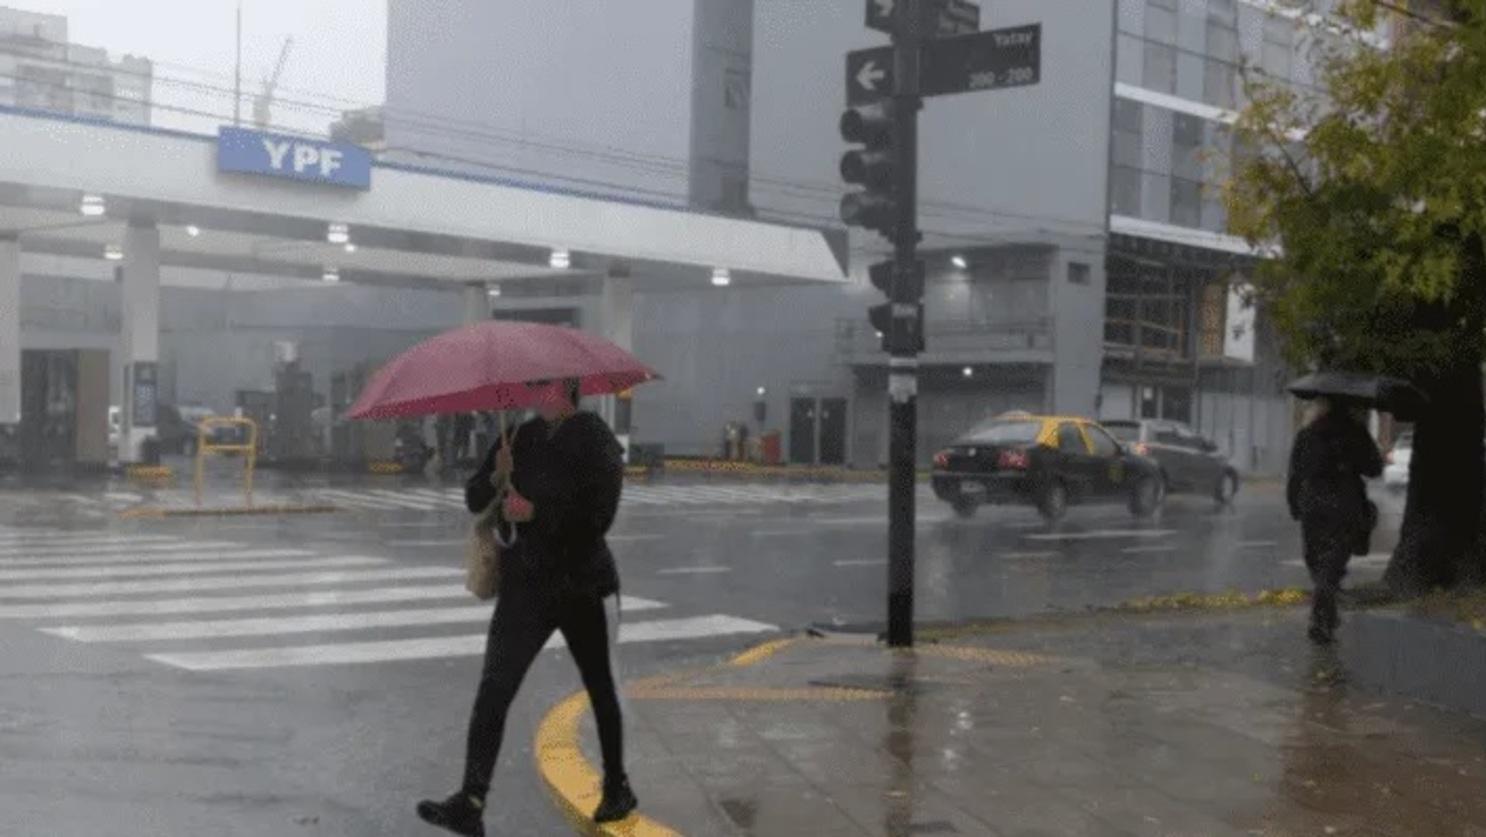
x=903 y=362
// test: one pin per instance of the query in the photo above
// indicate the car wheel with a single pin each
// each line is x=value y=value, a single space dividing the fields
x=1145 y=498
x=964 y=508
x=1227 y=488
x=1052 y=504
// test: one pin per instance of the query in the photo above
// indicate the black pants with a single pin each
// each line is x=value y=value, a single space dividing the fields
x=1328 y=548
x=523 y=622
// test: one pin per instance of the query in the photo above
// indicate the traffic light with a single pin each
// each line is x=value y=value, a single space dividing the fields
x=903 y=333
x=900 y=286
x=872 y=167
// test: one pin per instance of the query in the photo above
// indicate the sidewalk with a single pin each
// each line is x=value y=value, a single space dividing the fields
x=1196 y=724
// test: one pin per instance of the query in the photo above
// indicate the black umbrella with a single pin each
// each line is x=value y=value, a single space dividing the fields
x=1391 y=395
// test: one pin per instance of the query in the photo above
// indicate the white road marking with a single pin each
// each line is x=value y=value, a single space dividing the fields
x=65 y=591
x=103 y=562
x=438 y=647
x=112 y=549
x=694 y=570
x=1375 y=559
x=264 y=601
x=1101 y=534
x=865 y=562
x=350 y=498
x=327 y=622
x=82 y=540
x=451 y=542
x=411 y=500
x=198 y=568
x=632 y=538
x=1144 y=550
x=1025 y=556
x=1257 y=544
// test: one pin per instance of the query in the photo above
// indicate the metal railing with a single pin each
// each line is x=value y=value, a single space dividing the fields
x=855 y=338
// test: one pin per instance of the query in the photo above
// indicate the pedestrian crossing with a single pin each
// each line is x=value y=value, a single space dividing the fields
x=219 y=606
x=430 y=498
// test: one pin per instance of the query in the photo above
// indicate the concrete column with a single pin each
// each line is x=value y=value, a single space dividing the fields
x=619 y=327
x=10 y=330
x=476 y=304
x=140 y=328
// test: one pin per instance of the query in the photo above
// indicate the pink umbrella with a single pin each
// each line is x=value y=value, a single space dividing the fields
x=490 y=365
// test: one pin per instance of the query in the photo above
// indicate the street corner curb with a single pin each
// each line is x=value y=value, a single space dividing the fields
x=574 y=783
x=159 y=512
x=1212 y=602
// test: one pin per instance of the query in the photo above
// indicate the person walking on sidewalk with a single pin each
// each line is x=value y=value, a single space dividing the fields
x=564 y=473
x=1326 y=494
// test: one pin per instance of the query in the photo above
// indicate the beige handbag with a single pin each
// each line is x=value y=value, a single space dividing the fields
x=482 y=555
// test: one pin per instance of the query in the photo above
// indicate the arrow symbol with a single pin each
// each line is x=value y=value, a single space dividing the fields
x=869 y=75
x=884 y=7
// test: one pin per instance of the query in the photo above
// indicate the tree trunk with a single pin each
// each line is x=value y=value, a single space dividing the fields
x=1437 y=545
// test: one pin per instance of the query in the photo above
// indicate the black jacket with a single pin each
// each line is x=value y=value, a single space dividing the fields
x=573 y=477
x=1327 y=464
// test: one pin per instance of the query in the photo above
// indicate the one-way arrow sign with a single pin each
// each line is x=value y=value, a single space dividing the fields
x=869 y=75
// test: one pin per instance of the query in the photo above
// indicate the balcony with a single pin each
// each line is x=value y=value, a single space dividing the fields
x=953 y=342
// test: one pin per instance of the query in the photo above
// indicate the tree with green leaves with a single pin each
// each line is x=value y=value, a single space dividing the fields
x=1368 y=199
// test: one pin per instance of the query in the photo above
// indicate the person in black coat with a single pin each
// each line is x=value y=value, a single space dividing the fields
x=559 y=488
x=1326 y=494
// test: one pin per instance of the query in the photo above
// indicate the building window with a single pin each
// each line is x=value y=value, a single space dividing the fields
x=1220 y=84
x=1186 y=202
x=1146 y=309
x=1160 y=24
x=1279 y=45
x=1079 y=273
x=1124 y=189
x=1160 y=68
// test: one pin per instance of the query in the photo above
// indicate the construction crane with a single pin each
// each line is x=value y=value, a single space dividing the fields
x=264 y=101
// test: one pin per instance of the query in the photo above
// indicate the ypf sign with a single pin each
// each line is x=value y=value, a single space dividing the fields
x=294 y=158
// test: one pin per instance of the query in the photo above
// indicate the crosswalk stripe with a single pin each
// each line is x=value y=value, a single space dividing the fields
x=219 y=604
x=437 y=647
x=348 y=498
x=402 y=497
x=119 y=549
x=221 y=628
x=82 y=540
x=1100 y=534
x=64 y=591
x=199 y=568
x=441 y=497
x=105 y=561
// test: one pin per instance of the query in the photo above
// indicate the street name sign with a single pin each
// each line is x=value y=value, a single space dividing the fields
x=943 y=17
x=988 y=60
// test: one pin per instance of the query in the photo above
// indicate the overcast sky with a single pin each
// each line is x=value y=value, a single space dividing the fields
x=340 y=49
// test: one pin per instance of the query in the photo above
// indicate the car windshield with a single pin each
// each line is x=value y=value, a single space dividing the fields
x=1003 y=432
x=1126 y=432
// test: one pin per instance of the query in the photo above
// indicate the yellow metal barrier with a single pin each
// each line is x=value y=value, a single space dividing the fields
x=249 y=450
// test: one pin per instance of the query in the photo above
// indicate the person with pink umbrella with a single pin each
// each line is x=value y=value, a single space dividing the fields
x=560 y=477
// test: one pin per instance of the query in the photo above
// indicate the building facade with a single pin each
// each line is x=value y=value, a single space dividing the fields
x=40 y=69
x=1074 y=230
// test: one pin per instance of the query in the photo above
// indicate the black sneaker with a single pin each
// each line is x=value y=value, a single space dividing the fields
x=460 y=814
x=619 y=802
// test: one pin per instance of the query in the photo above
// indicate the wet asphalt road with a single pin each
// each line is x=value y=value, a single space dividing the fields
x=181 y=731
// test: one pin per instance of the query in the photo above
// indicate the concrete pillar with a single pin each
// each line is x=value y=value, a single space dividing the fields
x=476 y=304
x=140 y=336
x=619 y=327
x=10 y=330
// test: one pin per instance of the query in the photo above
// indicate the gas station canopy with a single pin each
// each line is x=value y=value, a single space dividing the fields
x=248 y=202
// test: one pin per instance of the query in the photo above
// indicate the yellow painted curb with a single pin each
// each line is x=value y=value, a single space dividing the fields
x=763 y=651
x=573 y=782
x=382 y=467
